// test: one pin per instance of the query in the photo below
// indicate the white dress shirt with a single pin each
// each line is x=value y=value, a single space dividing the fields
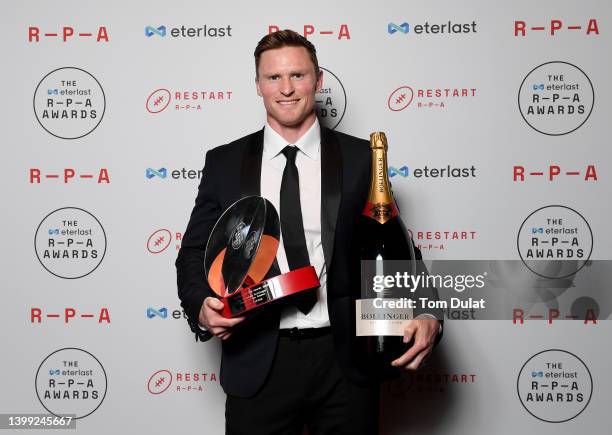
x=308 y=162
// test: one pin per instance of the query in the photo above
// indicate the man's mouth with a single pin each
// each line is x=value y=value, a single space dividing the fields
x=288 y=102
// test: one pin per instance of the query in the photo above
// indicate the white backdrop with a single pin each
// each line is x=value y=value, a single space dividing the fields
x=137 y=202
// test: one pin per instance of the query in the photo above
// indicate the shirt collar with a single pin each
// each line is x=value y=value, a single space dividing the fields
x=309 y=143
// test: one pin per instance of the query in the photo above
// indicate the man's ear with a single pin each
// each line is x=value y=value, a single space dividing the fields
x=319 y=81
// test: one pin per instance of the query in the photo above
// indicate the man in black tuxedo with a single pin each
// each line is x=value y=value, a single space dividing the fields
x=292 y=364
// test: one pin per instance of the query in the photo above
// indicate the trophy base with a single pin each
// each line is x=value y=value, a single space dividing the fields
x=249 y=298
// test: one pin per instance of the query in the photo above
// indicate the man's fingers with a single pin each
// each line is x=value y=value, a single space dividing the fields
x=418 y=360
x=417 y=348
x=409 y=331
x=226 y=323
x=211 y=309
x=214 y=321
x=224 y=334
x=217 y=330
x=419 y=330
x=214 y=303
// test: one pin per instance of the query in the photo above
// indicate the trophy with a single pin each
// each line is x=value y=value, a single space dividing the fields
x=239 y=254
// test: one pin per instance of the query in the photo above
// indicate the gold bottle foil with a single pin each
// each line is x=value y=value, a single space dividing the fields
x=380 y=205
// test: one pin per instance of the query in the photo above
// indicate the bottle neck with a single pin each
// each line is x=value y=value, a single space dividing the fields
x=380 y=205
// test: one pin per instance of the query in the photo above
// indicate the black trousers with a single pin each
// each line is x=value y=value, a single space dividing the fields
x=305 y=387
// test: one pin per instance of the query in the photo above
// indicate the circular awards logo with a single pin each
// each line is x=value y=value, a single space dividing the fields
x=70 y=243
x=554 y=386
x=556 y=98
x=69 y=103
x=555 y=241
x=330 y=100
x=71 y=381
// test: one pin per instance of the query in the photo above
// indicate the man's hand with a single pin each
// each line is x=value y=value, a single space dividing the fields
x=424 y=331
x=210 y=318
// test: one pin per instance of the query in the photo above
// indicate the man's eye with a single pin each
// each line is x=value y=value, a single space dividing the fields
x=274 y=77
x=298 y=75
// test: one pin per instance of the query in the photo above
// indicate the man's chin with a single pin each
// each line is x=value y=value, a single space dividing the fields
x=290 y=122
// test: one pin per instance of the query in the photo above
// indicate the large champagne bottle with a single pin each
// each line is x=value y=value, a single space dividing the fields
x=385 y=249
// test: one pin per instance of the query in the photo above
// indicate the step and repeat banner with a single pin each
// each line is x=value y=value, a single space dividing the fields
x=497 y=116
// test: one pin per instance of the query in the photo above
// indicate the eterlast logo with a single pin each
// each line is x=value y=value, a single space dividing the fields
x=163 y=313
x=205 y=31
x=175 y=174
x=427 y=172
x=448 y=28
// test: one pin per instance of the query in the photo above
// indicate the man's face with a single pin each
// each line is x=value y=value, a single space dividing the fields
x=287 y=83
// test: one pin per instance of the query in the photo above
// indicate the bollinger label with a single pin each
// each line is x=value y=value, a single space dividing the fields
x=383 y=308
x=381 y=316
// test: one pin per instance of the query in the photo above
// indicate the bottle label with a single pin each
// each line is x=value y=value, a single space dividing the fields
x=381 y=316
x=383 y=308
x=380 y=212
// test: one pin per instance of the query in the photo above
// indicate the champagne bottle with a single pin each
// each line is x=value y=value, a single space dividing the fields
x=384 y=249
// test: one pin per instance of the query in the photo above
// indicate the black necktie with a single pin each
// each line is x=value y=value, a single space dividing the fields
x=292 y=226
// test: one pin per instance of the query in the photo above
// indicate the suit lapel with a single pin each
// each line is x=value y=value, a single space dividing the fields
x=331 y=191
x=331 y=184
x=250 y=173
x=250 y=178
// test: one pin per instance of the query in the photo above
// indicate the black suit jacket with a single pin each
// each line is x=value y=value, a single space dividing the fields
x=233 y=171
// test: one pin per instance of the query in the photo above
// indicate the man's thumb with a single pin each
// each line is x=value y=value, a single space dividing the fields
x=214 y=303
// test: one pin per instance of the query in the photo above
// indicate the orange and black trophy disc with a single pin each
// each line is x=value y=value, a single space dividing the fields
x=239 y=253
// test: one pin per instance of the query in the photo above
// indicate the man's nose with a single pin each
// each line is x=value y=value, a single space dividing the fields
x=286 y=86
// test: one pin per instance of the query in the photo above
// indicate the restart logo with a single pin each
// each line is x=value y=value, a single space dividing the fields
x=186 y=100
x=181 y=381
x=428 y=98
x=161 y=239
